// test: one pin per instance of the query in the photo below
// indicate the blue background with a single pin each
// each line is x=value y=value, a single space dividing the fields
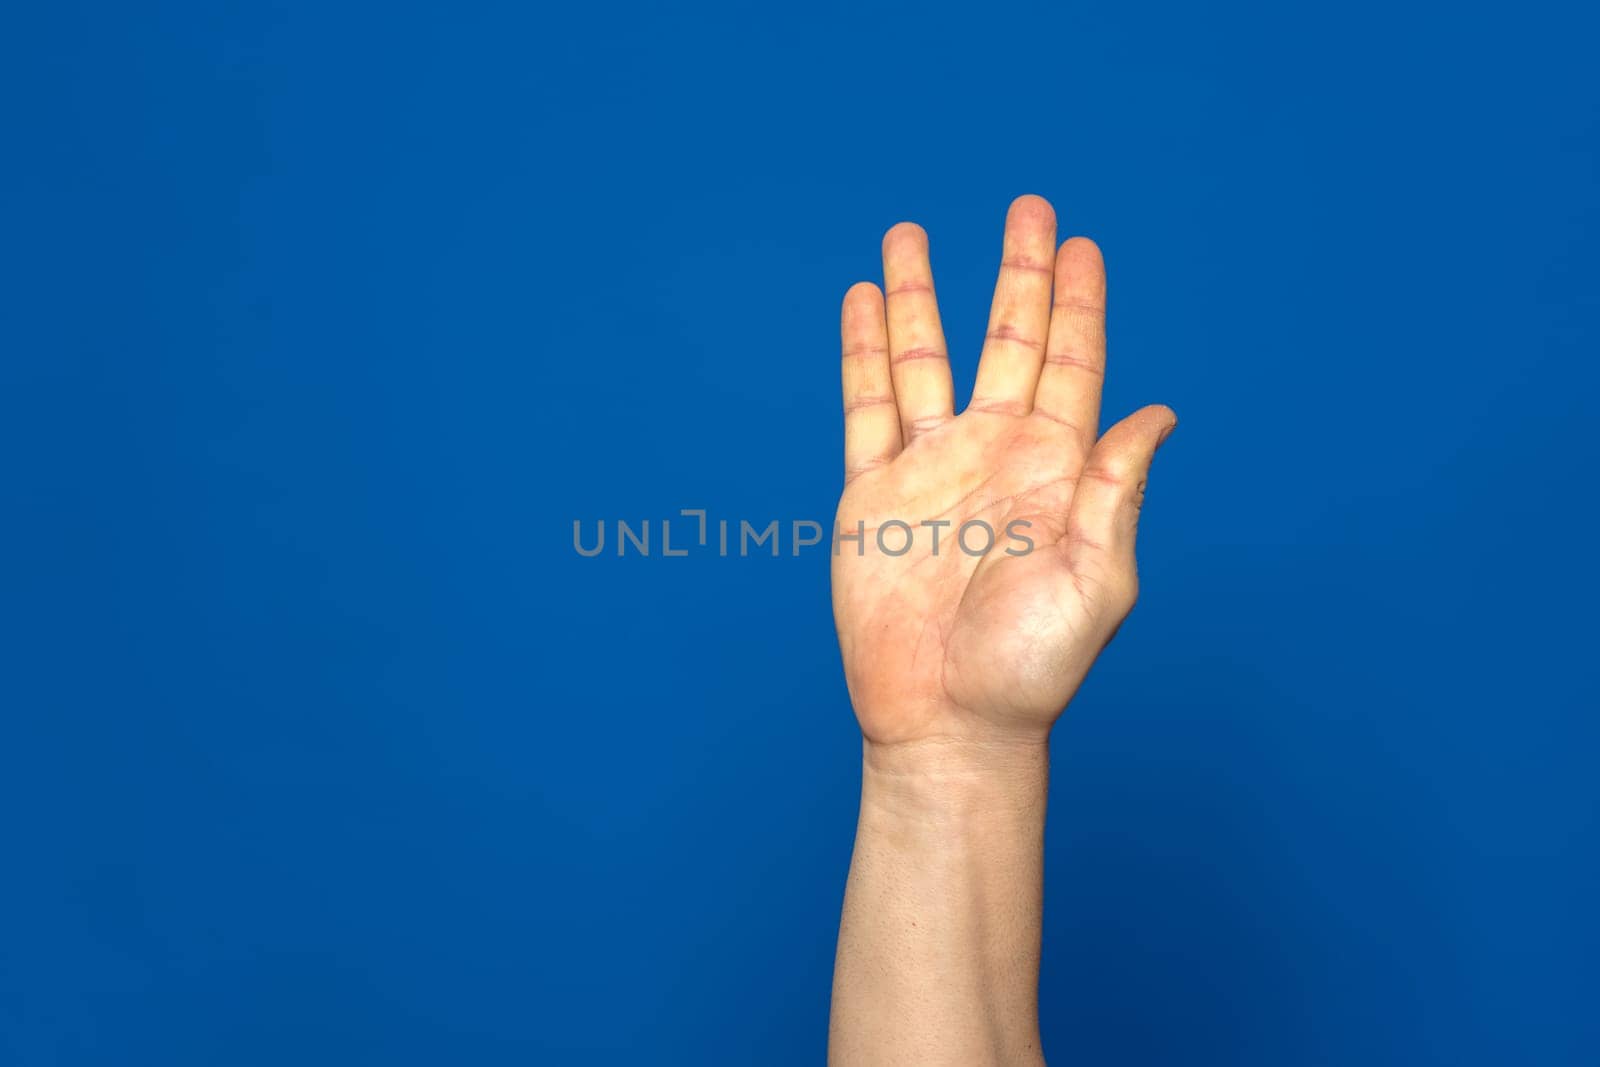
x=323 y=322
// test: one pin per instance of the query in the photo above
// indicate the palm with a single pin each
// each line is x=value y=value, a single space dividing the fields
x=986 y=634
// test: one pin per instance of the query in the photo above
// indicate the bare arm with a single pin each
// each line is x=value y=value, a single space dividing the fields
x=939 y=943
x=960 y=657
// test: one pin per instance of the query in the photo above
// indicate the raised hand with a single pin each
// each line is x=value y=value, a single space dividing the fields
x=972 y=640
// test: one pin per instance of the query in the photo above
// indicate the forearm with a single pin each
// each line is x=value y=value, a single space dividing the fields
x=938 y=959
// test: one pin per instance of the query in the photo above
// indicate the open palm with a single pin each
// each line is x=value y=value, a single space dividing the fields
x=995 y=557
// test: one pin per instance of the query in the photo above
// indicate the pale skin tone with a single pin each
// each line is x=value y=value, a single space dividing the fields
x=959 y=662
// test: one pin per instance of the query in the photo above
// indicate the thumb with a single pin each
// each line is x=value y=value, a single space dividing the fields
x=1105 y=504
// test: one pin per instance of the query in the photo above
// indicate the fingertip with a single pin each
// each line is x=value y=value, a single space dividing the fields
x=861 y=314
x=1134 y=440
x=862 y=295
x=904 y=236
x=1030 y=207
x=1081 y=251
x=1152 y=417
x=1162 y=413
x=1081 y=274
x=1159 y=420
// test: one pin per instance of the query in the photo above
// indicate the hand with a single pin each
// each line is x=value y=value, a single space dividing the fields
x=990 y=645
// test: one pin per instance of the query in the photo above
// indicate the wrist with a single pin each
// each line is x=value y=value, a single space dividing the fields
x=953 y=785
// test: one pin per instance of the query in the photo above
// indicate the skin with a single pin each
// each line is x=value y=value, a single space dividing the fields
x=959 y=662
